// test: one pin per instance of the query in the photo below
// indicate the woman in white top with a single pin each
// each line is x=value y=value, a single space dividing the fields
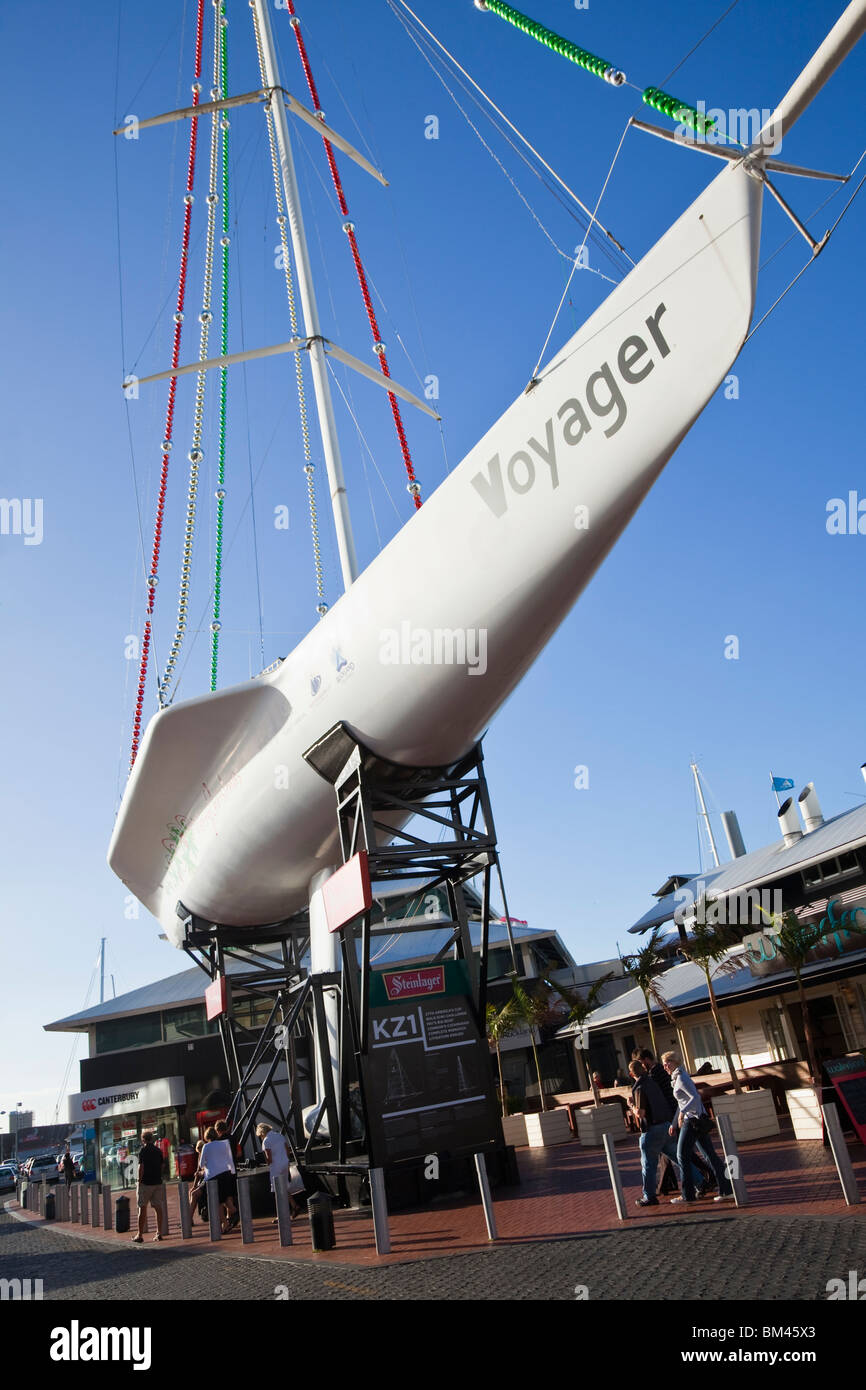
x=216 y=1161
x=278 y=1157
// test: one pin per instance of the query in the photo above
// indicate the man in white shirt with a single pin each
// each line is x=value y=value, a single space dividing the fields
x=692 y=1131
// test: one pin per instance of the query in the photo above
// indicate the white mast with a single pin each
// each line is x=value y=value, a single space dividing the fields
x=321 y=386
x=700 y=791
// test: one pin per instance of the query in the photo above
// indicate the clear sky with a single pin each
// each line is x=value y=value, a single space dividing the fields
x=732 y=542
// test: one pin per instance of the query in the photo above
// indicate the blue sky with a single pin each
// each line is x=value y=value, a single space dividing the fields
x=732 y=540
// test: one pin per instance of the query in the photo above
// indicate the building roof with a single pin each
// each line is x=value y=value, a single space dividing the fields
x=387 y=952
x=684 y=989
x=764 y=866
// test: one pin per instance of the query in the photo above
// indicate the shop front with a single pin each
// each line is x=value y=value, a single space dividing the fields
x=115 y=1117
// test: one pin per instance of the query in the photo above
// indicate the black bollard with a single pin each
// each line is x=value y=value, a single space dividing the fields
x=50 y=1207
x=121 y=1215
x=321 y=1210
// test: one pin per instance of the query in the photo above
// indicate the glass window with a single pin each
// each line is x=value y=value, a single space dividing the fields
x=707 y=1047
x=774 y=1035
x=121 y=1033
x=190 y=1022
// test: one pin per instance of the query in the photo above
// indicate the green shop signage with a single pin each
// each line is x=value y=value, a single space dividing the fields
x=841 y=932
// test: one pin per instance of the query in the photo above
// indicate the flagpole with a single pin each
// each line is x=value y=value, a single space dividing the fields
x=775 y=793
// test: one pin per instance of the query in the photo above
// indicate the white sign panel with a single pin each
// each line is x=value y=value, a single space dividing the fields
x=124 y=1100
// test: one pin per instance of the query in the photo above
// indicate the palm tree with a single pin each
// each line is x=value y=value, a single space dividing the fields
x=501 y=1023
x=581 y=1005
x=642 y=967
x=532 y=1010
x=709 y=947
x=795 y=941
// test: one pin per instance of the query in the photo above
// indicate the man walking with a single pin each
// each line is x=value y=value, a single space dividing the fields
x=151 y=1189
x=68 y=1165
x=694 y=1128
x=654 y=1113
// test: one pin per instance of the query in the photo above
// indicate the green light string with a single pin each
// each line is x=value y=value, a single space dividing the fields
x=565 y=47
x=677 y=110
x=659 y=100
x=224 y=329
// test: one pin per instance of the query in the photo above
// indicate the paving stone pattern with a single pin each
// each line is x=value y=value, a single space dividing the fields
x=708 y=1257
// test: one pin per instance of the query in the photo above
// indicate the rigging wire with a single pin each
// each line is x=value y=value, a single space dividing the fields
x=364 y=438
x=153 y=576
x=811 y=260
x=501 y=114
x=225 y=241
x=196 y=454
x=577 y=259
x=309 y=467
x=413 y=487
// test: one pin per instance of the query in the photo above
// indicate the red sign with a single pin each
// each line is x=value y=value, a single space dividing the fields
x=407 y=984
x=346 y=894
x=216 y=997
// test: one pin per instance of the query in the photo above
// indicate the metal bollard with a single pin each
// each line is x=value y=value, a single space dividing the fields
x=733 y=1165
x=183 y=1207
x=94 y=1204
x=380 y=1212
x=321 y=1210
x=73 y=1202
x=62 y=1202
x=213 y=1209
x=615 y=1178
x=284 y=1219
x=107 y=1210
x=841 y=1157
x=245 y=1208
x=486 y=1199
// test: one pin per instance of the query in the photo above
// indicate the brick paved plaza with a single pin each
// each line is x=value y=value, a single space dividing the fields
x=557 y=1230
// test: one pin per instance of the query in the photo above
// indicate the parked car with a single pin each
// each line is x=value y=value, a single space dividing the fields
x=43 y=1165
x=8 y=1179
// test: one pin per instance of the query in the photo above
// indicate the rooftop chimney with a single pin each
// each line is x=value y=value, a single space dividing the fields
x=810 y=807
x=733 y=835
x=789 y=823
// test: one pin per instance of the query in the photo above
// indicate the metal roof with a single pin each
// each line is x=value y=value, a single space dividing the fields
x=685 y=984
x=846 y=831
x=387 y=952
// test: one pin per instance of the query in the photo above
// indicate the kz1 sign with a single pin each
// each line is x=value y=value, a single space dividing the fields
x=427 y=1076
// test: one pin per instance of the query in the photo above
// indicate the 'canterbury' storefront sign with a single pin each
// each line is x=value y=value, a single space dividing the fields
x=125 y=1100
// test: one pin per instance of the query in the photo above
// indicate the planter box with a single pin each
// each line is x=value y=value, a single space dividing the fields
x=805 y=1111
x=514 y=1130
x=752 y=1114
x=593 y=1124
x=550 y=1128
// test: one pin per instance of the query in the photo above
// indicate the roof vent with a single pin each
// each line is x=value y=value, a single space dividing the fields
x=733 y=834
x=789 y=823
x=810 y=807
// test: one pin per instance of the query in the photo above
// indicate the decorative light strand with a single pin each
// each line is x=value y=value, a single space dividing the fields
x=413 y=486
x=153 y=576
x=659 y=100
x=224 y=333
x=309 y=467
x=196 y=456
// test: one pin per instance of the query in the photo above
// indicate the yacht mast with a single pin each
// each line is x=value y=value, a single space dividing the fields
x=697 y=776
x=321 y=386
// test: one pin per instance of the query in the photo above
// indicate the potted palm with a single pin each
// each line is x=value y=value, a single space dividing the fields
x=502 y=1022
x=709 y=946
x=594 y=1121
x=532 y=1010
x=794 y=942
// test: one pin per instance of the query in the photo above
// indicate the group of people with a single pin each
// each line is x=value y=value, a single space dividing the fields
x=673 y=1122
x=216 y=1155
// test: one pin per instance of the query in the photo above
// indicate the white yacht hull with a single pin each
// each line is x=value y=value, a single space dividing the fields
x=222 y=813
